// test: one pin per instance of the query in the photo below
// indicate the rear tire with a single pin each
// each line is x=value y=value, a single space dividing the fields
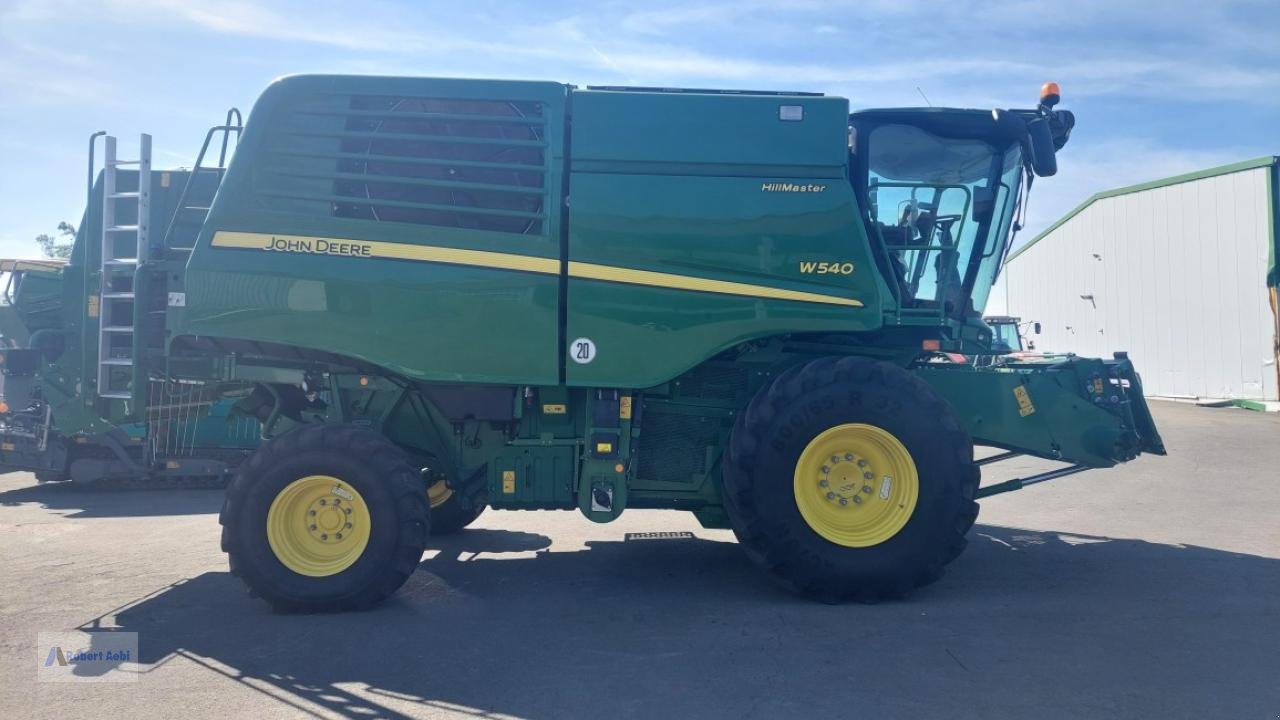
x=902 y=539
x=454 y=509
x=271 y=547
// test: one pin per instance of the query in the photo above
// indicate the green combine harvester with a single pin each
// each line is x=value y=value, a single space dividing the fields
x=433 y=296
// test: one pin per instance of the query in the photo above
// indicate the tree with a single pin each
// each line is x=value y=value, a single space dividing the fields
x=59 y=246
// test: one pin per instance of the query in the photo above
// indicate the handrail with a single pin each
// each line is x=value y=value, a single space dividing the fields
x=92 y=145
x=233 y=124
x=85 y=333
x=226 y=136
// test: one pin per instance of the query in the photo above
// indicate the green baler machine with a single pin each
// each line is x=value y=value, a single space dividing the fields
x=189 y=435
x=440 y=295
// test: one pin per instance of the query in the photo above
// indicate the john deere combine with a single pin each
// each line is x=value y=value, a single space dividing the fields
x=440 y=295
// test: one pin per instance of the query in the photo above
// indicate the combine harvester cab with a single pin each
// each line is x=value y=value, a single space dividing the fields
x=443 y=295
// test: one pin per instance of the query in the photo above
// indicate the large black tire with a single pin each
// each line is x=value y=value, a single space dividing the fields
x=460 y=509
x=375 y=468
x=760 y=464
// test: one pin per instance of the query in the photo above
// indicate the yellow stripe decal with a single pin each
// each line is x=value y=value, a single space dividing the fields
x=507 y=261
x=387 y=250
x=588 y=271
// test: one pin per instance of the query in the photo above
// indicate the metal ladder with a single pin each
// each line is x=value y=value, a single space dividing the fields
x=117 y=334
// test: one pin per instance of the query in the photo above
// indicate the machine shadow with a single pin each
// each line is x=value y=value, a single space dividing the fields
x=88 y=501
x=495 y=623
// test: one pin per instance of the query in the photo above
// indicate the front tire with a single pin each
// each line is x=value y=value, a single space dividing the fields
x=850 y=478
x=325 y=518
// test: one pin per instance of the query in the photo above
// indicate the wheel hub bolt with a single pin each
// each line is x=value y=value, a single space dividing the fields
x=848 y=456
x=867 y=476
x=339 y=536
x=844 y=501
x=349 y=526
x=866 y=489
x=322 y=502
x=324 y=536
x=313 y=527
x=862 y=463
x=312 y=513
x=831 y=496
x=823 y=483
x=857 y=499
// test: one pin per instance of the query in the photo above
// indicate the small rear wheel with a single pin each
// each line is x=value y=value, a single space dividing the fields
x=452 y=510
x=324 y=518
x=850 y=478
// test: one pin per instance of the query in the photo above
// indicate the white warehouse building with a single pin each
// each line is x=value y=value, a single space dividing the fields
x=1180 y=273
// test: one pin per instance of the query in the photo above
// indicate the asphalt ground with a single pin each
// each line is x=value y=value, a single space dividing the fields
x=1151 y=590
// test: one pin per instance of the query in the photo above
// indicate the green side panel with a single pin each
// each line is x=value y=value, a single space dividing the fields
x=13 y=332
x=539 y=477
x=692 y=128
x=79 y=278
x=418 y=165
x=720 y=189
x=31 y=303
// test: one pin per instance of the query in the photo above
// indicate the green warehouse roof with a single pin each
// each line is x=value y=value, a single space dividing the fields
x=1265 y=161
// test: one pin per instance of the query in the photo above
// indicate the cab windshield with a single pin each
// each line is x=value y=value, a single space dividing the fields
x=942 y=207
x=1005 y=336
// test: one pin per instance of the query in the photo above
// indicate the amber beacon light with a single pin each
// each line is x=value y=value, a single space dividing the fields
x=1050 y=94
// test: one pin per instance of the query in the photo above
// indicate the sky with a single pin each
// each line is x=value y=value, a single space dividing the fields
x=1159 y=87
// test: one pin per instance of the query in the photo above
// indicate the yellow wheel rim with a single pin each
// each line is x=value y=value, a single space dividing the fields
x=318 y=526
x=856 y=485
x=439 y=494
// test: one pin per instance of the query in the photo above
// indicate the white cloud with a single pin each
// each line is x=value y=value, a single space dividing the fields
x=885 y=49
x=663 y=20
x=299 y=23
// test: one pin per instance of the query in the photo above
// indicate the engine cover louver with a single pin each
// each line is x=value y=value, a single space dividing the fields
x=458 y=163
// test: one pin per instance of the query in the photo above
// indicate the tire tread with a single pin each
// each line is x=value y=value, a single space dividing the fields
x=747 y=438
x=385 y=461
